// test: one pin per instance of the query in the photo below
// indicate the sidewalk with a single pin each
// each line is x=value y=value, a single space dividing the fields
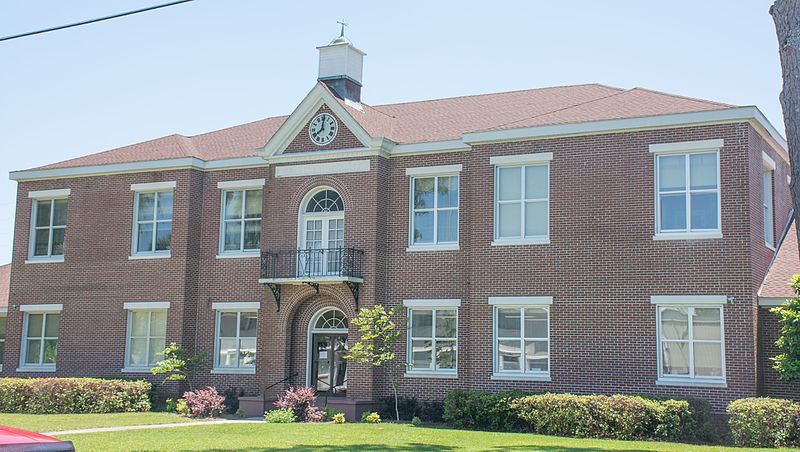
x=141 y=427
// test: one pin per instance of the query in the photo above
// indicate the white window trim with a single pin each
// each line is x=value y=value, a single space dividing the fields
x=44 y=195
x=768 y=168
x=248 y=184
x=430 y=305
x=152 y=187
x=254 y=185
x=674 y=380
x=686 y=147
x=153 y=306
x=433 y=172
x=50 y=194
x=521 y=161
x=37 y=309
x=688 y=300
x=3 y=314
x=239 y=309
x=520 y=302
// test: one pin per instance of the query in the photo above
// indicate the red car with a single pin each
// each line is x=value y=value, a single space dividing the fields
x=16 y=440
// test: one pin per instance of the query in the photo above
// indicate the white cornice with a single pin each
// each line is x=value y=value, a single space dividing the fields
x=137 y=167
x=325 y=155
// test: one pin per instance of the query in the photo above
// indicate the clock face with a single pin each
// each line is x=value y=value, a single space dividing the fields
x=323 y=129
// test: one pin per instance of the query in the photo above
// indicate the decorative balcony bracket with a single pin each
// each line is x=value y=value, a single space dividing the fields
x=354 y=287
x=314 y=285
x=276 y=292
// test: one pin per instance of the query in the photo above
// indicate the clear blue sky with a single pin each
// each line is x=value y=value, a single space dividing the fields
x=211 y=64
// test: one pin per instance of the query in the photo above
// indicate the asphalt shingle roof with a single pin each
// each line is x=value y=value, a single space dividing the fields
x=785 y=264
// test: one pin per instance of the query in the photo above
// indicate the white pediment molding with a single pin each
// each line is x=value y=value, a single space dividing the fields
x=294 y=124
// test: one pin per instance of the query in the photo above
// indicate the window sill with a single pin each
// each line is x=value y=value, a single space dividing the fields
x=687 y=236
x=218 y=370
x=36 y=369
x=238 y=254
x=1 y=367
x=430 y=374
x=691 y=382
x=44 y=260
x=769 y=247
x=445 y=247
x=512 y=242
x=521 y=377
x=141 y=370
x=149 y=256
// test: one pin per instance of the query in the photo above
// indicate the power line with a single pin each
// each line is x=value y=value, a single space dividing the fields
x=91 y=21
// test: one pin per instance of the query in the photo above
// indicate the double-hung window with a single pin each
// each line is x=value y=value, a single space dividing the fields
x=522 y=199
x=432 y=337
x=39 y=337
x=690 y=339
x=767 y=181
x=687 y=189
x=235 y=344
x=147 y=335
x=434 y=207
x=152 y=224
x=48 y=225
x=521 y=337
x=240 y=231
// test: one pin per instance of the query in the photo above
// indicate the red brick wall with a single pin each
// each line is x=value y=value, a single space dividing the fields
x=769 y=330
x=601 y=267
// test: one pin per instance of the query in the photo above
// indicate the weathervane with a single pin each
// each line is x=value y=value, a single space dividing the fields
x=344 y=24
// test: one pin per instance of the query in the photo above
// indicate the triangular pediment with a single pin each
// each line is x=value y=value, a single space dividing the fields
x=293 y=136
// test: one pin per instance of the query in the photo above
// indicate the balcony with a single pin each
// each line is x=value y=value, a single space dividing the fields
x=312 y=267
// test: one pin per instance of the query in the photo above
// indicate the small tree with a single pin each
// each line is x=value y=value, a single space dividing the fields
x=374 y=347
x=179 y=365
x=788 y=363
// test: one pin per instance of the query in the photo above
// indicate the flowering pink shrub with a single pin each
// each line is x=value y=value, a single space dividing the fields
x=301 y=402
x=204 y=402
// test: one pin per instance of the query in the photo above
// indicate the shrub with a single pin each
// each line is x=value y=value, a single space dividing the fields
x=370 y=418
x=428 y=411
x=328 y=414
x=482 y=410
x=239 y=412
x=73 y=395
x=416 y=421
x=204 y=402
x=280 y=416
x=232 y=399
x=338 y=418
x=759 y=422
x=171 y=406
x=600 y=416
x=182 y=408
x=700 y=428
x=301 y=402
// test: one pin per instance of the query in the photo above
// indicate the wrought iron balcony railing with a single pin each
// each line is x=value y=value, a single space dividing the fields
x=311 y=264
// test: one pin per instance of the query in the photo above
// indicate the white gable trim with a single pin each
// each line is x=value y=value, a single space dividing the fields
x=316 y=98
x=314 y=169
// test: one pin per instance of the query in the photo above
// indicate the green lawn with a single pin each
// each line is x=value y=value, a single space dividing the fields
x=350 y=437
x=62 y=422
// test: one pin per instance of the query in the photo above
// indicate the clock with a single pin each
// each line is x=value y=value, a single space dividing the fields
x=323 y=129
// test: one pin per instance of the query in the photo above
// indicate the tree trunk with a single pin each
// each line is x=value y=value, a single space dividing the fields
x=786 y=14
x=396 y=405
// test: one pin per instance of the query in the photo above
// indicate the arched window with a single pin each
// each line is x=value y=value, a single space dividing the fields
x=332 y=319
x=325 y=201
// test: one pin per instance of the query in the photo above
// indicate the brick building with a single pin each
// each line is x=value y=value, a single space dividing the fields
x=580 y=238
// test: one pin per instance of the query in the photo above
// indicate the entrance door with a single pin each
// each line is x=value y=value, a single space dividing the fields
x=328 y=368
x=322 y=248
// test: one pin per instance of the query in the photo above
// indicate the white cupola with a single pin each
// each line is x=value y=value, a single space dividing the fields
x=340 y=67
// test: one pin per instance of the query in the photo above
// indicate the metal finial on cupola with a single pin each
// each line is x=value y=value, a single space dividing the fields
x=341 y=39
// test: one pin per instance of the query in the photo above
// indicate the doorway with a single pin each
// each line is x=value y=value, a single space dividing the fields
x=328 y=346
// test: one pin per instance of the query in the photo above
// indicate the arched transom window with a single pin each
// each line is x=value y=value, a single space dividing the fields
x=325 y=201
x=331 y=320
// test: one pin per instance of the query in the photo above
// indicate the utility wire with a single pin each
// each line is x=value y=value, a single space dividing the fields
x=91 y=21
